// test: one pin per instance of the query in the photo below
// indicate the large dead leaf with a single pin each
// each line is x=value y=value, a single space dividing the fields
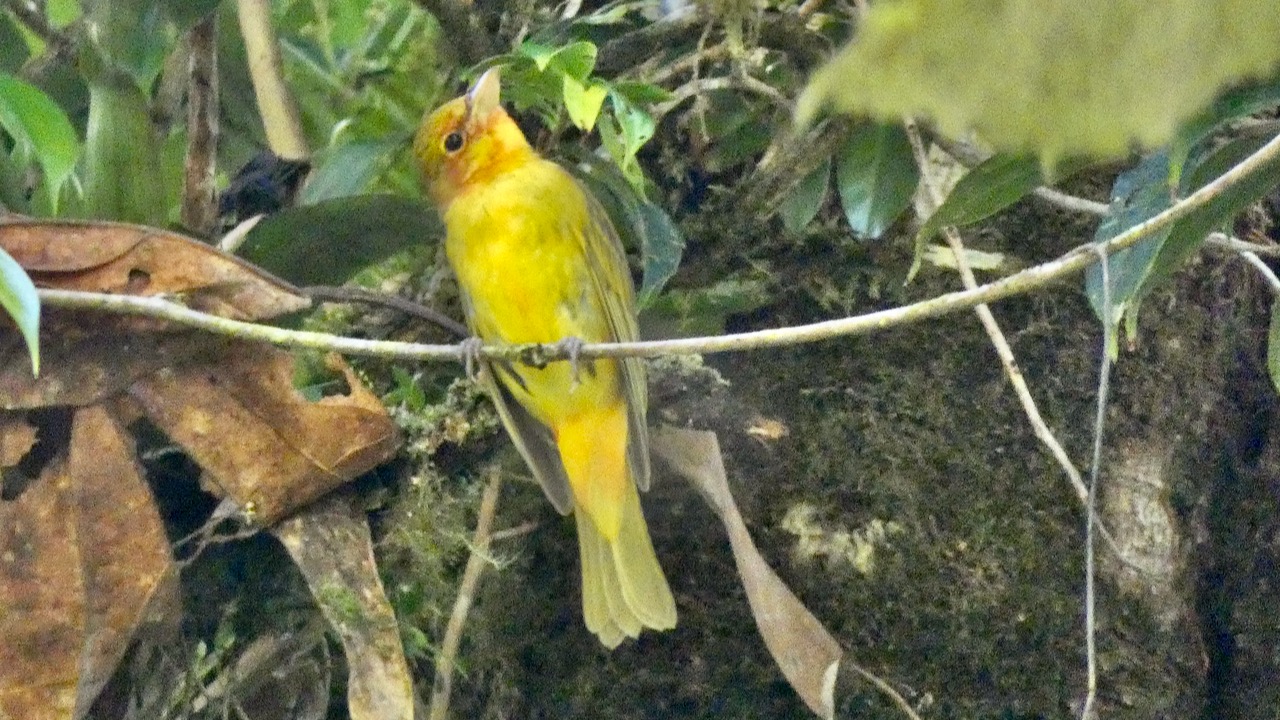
x=84 y=560
x=330 y=542
x=42 y=600
x=83 y=554
x=124 y=553
x=263 y=444
x=87 y=361
x=137 y=260
x=806 y=653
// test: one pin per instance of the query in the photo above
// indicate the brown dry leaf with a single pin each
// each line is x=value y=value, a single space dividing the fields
x=330 y=542
x=806 y=653
x=42 y=606
x=129 y=573
x=86 y=362
x=263 y=444
x=132 y=259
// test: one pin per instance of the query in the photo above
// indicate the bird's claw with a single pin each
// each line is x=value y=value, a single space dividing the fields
x=572 y=348
x=471 y=356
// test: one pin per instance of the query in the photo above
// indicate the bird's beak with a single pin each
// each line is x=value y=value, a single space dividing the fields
x=484 y=97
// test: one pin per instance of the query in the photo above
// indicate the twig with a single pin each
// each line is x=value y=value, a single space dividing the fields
x=325 y=293
x=998 y=341
x=1267 y=273
x=1104 y=377
x=275 y=101
x=1071 y=202
x=199 y=203
x=1233 y=244
x=445 y=661
x=887 y=689
x=523 y=528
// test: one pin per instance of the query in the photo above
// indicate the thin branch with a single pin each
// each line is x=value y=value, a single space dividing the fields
x=446 y=660
x=994 y=333
x=1071 y=202
x=275 y=100
x=1095 y=470
x=887 y=689
x=1233 y=244
x=1019 y=283
x=324 y=293
x=1267 y=273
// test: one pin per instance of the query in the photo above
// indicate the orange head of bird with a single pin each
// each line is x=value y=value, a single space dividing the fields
x=468 y=142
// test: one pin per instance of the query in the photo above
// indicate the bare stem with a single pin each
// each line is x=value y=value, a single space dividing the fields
x=275 y=101
x=446 y=660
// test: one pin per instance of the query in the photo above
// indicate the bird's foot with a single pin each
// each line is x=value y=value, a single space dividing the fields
x=471 y=357
x=572 y=348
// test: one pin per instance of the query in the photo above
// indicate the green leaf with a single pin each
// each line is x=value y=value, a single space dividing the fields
x=662 y=247
x=1236 y=103
x=995 y=184
x=641 y=93
x=575 y=59
x=1189 y=234
x=327 y=243
x=347 y=169
x=13 y=46
x=1273 y=346
x=122 y=157
x=1055 y=79
x=38 y=123
x=540 y=54
x=583 y=102
x=1138 y=194
x=802 y=204
x=19 y=299
x=876 y=176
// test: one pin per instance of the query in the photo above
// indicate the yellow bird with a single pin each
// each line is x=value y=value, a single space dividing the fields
x=538 y=261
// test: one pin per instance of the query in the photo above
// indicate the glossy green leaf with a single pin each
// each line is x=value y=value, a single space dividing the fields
x=583 y=102
x=33 y=120
x=1138 y=194
x=876 y=176
x=327 y=243
x=19 y=299
x=995 y=184
x=802 y=204
x=346 y=170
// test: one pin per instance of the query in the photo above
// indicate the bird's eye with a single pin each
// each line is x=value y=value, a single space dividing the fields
x=453 y=142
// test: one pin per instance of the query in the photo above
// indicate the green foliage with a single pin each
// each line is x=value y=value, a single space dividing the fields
x=801 y=206
x=1144 y=192
x=1273 y=346
x=327 y=243
x=876 y=176
x=42 y=133
x=1053 y=78
x=18 y=298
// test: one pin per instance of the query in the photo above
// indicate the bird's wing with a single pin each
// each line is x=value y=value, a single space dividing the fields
x=615 y=294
